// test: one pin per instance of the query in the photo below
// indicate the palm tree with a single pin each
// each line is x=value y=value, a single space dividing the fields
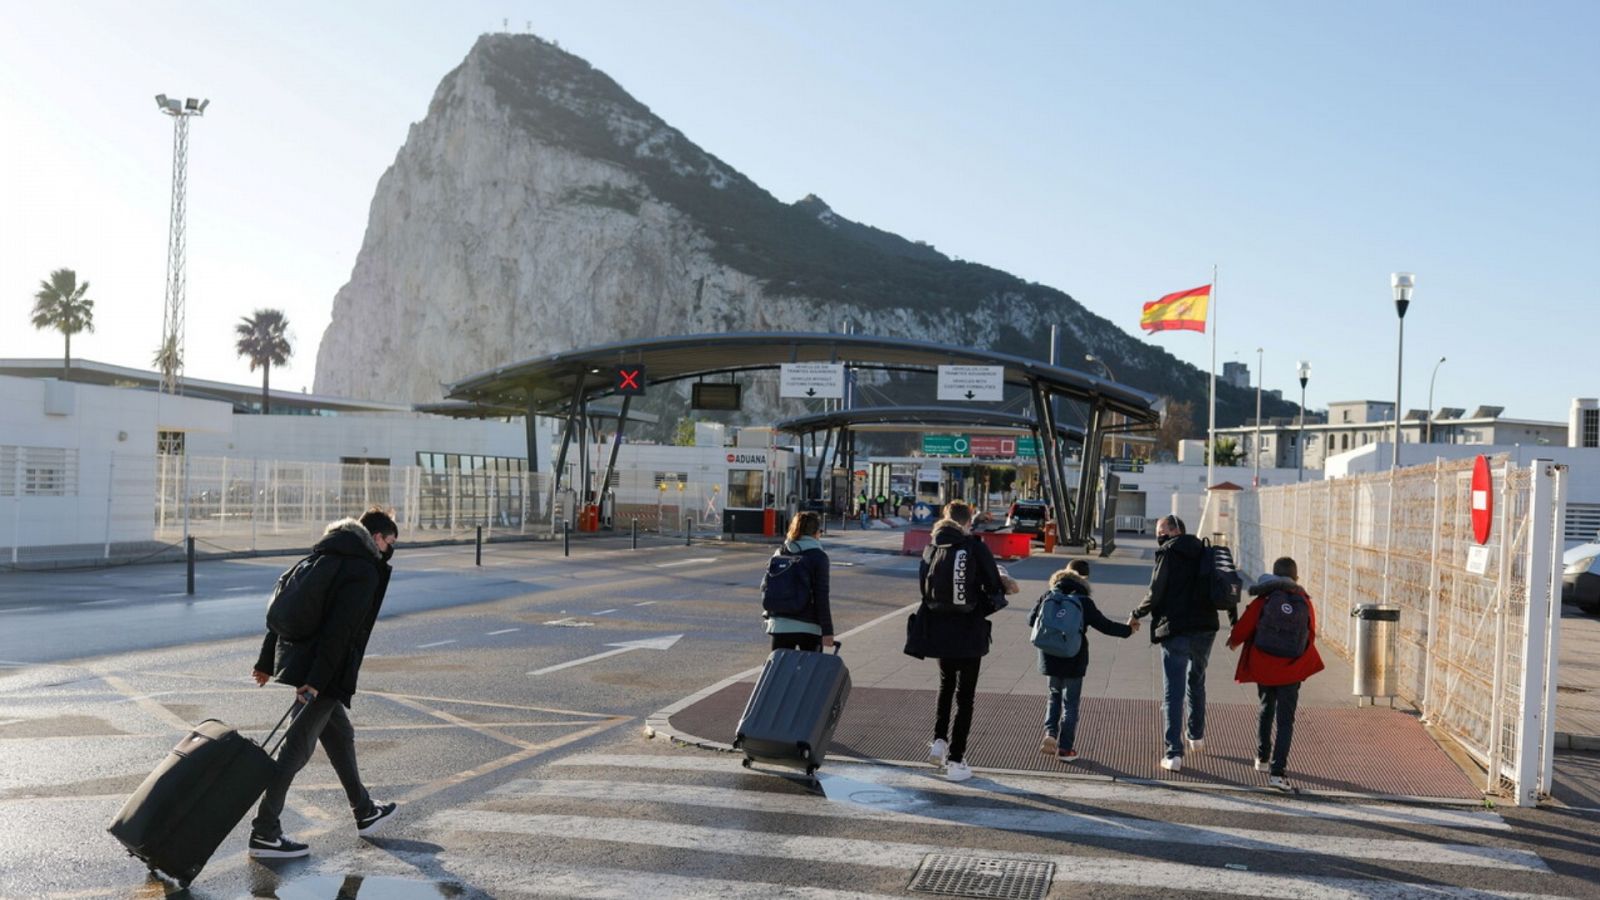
x=263 y=338
x=168 y=353
x=60 y=304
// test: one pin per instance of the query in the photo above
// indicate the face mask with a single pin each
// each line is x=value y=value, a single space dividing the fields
x=1162 y=541
x=385 y=555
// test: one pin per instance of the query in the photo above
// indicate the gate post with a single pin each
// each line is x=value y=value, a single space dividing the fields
x=1534 y=725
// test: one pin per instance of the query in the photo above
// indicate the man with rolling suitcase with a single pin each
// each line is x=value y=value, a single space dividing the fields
x=321 y=617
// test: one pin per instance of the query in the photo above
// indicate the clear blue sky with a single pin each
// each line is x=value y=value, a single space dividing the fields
x=1114 y=150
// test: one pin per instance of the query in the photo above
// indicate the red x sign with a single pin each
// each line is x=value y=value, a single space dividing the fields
x=629 y=380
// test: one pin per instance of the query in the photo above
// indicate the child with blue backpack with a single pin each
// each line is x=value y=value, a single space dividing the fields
x=1059 y=624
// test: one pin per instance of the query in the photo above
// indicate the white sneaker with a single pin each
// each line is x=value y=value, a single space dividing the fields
x=1263 y=766
x=1278 y=781
x=938 y=749
x=1197 y=745
x=957 y=771
x=1172 y=763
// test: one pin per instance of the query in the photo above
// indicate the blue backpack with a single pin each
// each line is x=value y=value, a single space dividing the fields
x=1058 y=630
x=786 y=588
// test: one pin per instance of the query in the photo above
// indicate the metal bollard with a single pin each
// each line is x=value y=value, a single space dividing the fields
x=688 y=531
x=635 y=532
x=566 y=538
x=480 y=547
x=189 y=552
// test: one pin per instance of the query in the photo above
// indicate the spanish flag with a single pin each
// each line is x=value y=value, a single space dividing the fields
x=1184 y=311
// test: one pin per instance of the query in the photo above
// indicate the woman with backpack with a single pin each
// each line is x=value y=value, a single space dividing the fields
x=1061 y=618
x=794 y=593
x=1278 y=633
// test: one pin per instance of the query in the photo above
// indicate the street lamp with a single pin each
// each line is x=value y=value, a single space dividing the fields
x=1304 y=371
x=172 y=324
x=1403 y=284
x=1091 y=358
x=1430 y=398
x=1256 y=449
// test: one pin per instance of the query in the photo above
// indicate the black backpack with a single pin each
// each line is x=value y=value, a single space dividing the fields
x=952 y=584
x=1219 y=581
x=1284 y=627
x=786 y=588
x=300 y=598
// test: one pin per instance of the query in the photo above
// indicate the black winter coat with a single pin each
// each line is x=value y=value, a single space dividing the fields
x=1075 y=666
x=330 y=660
x=961 y=635
x=1176 y=602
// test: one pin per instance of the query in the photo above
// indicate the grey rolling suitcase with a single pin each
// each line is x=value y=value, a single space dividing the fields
x=177 y=818
x=794 y=708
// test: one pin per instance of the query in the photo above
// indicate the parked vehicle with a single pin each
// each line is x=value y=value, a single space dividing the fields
x=1028 y=516
x=1580 y=577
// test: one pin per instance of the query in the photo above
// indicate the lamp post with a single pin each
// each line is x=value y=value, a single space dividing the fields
x=1304 y=371
x=1091 y=358
x=172 y=325
x=1435 y=374
x=1403 y=284
x=1255 y=449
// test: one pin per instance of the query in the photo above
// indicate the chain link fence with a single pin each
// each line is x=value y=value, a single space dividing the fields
x=1467 y=613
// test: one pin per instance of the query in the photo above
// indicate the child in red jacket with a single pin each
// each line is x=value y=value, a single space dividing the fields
x=1279 y=633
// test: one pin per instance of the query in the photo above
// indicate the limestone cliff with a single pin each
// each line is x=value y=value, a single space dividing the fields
x=538 y=207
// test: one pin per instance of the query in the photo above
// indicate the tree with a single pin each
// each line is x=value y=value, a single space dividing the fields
x=683 y=435
x=1228 y=452
x=264 y=339
x=168 y=352
x=60 y=304
x=1174 y=428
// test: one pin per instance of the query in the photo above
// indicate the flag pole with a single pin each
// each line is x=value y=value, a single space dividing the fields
x=1211 y=429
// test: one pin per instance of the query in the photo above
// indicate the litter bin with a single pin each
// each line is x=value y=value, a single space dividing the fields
x=1376 y=629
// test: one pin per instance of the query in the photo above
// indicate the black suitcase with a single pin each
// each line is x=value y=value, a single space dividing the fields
x=184 y=810
x=794 y=708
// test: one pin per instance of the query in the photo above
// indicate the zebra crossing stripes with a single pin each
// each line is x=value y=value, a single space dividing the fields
x=1054 y=822
x=836 y=780
x=601 y=883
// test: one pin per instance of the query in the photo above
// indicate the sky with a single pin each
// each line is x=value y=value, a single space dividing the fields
x=1114 y=150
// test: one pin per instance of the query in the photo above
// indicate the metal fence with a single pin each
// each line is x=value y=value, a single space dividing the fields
x=1478 y=626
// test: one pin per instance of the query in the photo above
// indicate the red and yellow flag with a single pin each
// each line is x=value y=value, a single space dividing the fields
x=1184 y=311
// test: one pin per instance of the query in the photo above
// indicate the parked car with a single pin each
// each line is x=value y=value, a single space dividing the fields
x=1580 y=577
x=1028 y=516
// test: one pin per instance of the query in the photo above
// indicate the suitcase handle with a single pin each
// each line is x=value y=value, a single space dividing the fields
x=836 y=645
x=287 y=715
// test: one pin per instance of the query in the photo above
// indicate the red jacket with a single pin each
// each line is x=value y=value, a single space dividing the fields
x=1264 y=668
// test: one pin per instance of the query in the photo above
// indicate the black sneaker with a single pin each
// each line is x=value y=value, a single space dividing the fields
x=380 y=811
x=279 y=847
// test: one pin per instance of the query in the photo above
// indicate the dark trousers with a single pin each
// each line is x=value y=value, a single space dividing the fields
x=1277 y=706
x=958 y=681
x=323 y=719
x=796 y=640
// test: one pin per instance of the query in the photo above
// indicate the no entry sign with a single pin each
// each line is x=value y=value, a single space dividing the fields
x=1482 y=499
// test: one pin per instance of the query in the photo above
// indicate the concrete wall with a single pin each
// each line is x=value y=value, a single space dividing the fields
x=396 y=438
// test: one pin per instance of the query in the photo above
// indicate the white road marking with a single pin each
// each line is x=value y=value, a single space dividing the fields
x=531 y=877
x=103 y=602
x=836 y=779
x=235 y=590
x=22 y=609
x=685 y=562
x=503 y=631
x=923 y=810
x=604 y=612
x=660 y=643
x=643 y=603
x=435 y=644
x=1138 y=872
x=570 y=623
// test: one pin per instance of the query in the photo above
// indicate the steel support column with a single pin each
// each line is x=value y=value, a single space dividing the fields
x=611 y=464
x=1052 y=463
x=822 y=458
x=1089 y=476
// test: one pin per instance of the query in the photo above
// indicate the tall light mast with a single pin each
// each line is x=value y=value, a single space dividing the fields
x=172 y=320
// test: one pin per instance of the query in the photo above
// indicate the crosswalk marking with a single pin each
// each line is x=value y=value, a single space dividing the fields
x=1139 y=873
x=503 y=631
x=621 y=884
x=925 y=811
x=836 y=780
x=435 y=644
x=685 y=562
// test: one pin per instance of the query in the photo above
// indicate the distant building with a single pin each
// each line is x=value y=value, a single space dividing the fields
x=1236 y=374
x=1583 y=428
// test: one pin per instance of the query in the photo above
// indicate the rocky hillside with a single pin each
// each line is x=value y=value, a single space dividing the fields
x=538 y=207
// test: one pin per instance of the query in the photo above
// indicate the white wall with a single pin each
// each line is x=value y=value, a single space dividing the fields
x=396 y=437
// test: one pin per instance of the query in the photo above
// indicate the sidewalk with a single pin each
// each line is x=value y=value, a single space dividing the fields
x=1337 y=747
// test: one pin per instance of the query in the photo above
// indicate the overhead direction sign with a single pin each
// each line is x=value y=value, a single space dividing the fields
x=994 y=446
x=811 y=380
x=946 y=445
x=975 y=383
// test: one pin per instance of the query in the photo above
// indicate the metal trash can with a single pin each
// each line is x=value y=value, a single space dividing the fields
x=1376 y=630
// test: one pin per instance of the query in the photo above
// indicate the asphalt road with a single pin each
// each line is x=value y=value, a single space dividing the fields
x=528 y=785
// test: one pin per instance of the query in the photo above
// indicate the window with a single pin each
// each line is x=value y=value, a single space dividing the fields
x=41 y=471
x=744 y=488
x=1589 y=429
x=1344 y=442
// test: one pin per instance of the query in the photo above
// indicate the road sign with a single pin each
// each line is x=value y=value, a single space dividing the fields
x=1482 y=499
x=811 y=380
x=628 y=380
x=994 y=446
x=972 y=383
x=946 y=445
x=1027 y=446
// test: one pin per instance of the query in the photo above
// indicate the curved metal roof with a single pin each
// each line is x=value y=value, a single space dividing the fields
x=906 y=418
x=550 y=383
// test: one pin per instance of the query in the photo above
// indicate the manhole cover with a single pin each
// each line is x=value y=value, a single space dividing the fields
x=979 y=876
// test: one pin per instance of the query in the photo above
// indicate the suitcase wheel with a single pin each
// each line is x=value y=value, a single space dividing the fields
x=745 y=762
x=811 y=771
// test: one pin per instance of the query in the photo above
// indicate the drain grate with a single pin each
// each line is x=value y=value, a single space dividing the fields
x=980 y=876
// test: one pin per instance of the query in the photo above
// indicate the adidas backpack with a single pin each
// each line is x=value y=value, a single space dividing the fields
x=786 y=588
x=1058 y=631
x=1284 y=628
x=950 y=586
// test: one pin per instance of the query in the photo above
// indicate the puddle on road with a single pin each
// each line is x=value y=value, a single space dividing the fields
x=351 y=887
x=841 y=789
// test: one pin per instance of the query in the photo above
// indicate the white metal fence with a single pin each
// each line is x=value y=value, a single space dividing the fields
x=1478 y=629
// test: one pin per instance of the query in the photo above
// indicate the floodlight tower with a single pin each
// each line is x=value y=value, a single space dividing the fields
x=172 y=323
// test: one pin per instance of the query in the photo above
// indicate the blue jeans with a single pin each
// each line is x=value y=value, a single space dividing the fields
x=1061 y=713
x=1183 y=665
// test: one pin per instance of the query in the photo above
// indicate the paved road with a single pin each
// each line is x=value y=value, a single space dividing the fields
x=531 y=785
